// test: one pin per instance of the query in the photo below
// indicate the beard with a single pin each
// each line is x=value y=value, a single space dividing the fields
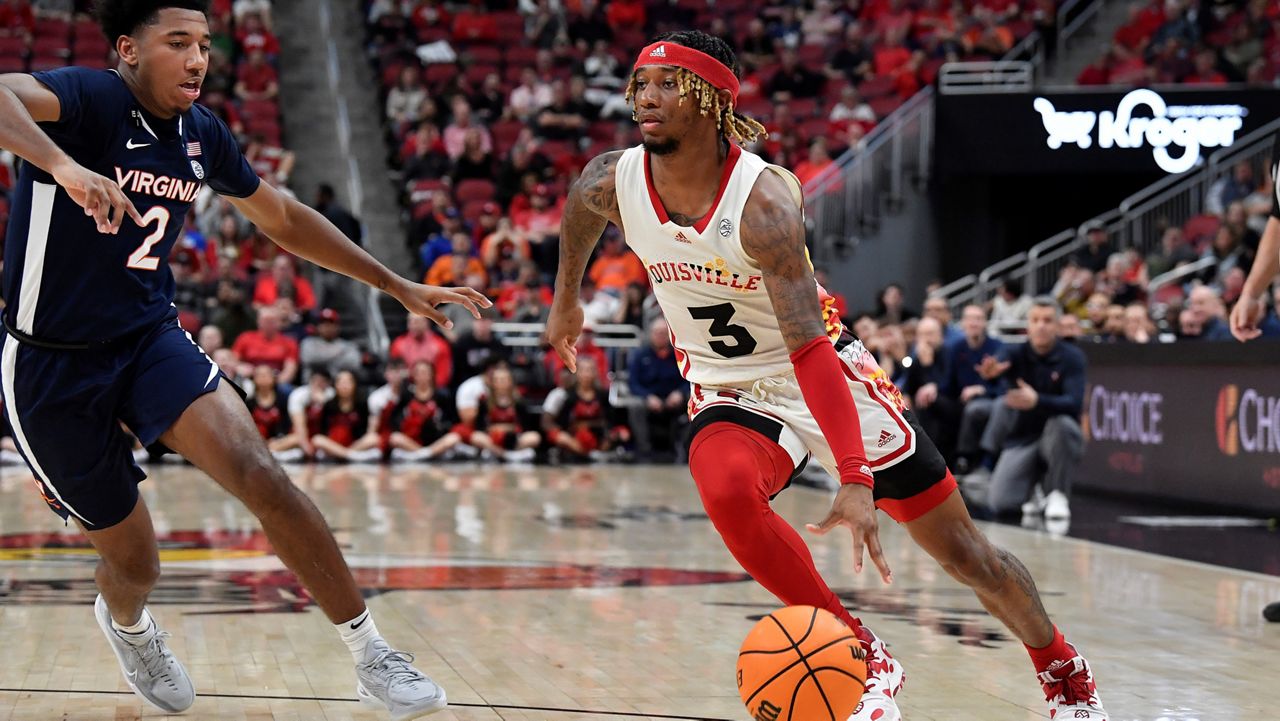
x=662 y=147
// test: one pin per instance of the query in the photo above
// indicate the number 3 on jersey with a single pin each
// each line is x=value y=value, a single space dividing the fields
x=139 y=259
x=719 y=315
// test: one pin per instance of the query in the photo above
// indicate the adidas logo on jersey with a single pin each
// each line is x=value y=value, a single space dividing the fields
x=681 y=237
x=658 y=52
x=885 y=438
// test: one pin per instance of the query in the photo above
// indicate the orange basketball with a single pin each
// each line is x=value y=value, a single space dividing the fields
x=801 y=663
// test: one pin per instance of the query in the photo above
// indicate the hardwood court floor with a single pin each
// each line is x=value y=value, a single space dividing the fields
x=591 y=593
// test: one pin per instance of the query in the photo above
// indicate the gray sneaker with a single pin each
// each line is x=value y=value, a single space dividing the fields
x=151 y=669
x=388 y=680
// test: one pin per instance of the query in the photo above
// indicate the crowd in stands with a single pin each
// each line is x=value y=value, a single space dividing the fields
x=1189 y=41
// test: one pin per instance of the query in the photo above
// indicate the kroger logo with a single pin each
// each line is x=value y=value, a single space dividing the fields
x=1189 y=127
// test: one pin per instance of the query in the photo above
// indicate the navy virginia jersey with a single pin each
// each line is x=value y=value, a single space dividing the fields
x=63 y=280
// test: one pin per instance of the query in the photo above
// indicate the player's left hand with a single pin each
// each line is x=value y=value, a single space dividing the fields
x=1245 y=317
x=854 y=507
x=422 y=300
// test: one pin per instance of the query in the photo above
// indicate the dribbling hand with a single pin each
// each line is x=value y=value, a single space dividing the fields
x=564 y=325
x=102 y=200
x=854 y=507
x=422 y=300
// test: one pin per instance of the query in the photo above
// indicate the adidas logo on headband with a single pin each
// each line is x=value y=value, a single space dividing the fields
x=659 y=52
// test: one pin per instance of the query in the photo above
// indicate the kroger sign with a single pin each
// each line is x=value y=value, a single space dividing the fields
x=1187 y=128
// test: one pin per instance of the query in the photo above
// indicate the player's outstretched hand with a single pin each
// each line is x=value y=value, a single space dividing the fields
x=422 y=300
x=102 y=199
x=855 y=508
x=564 y=325
x=1245 y=317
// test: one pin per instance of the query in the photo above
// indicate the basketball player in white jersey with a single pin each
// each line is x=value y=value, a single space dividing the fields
x=775 y=379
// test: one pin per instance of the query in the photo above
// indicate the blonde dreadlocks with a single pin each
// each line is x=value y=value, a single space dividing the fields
x=735 y=126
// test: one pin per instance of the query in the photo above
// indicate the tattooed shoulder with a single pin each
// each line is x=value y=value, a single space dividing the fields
x=597 y=185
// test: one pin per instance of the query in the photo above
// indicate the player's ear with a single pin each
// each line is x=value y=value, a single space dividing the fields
x=127 y=49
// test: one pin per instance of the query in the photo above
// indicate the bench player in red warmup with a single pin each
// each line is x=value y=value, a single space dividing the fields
x=721 y=234
x=114 y=159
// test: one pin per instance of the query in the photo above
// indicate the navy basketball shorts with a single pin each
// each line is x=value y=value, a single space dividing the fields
x=66 y=406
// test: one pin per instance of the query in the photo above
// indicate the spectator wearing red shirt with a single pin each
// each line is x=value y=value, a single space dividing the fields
x=892 y=56
x=430 y=15
x=16 y=18
x=420 y=344
x=817 y=161
x=267 y=346
x=271 y=162
x=586 y=348
x=473 y=26
x=626 y=15
x=617 y=267
x=897 y=18
x=540 y=224
x=284 y=282
x=254 y=35
x=524 y=299
x=256 y=79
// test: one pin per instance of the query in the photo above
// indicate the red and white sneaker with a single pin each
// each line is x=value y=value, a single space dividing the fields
x=1071 y=692
x=884 y=680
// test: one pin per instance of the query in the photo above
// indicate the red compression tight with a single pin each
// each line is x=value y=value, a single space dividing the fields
x=736 y=470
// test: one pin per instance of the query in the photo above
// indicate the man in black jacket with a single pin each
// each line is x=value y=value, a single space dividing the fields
x=1036 y=428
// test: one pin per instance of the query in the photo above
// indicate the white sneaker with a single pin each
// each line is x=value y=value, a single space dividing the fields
x=150 y=668
x=884 y=680
x=403 y=456
x=368 y=455
x=1034 y=505
x=293 y=455
x=1056 y=506
x=524 y=455
x=388 y=680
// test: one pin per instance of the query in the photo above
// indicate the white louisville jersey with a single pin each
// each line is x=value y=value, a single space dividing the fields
x=711 y=292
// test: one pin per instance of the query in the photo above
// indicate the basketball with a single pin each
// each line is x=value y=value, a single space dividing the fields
x=801 y=663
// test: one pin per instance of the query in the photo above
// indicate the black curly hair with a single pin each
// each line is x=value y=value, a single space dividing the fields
x=124 y=17
x=733 y=124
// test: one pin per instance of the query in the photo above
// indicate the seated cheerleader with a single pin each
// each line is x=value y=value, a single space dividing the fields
x=417 y=425
x=498 y=428
x=346 y=431
x=270 y=412
x=306 y=409
x=584 y=426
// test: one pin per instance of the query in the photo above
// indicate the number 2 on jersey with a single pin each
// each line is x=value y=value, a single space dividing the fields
x=720 y=315
x=139 y=259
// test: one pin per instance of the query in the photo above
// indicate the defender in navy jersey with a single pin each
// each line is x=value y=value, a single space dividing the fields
x=113 y=161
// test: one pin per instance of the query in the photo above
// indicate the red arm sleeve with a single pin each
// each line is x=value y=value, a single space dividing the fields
x=818 y=371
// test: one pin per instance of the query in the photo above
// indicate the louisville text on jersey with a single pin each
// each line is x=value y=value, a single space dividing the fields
x=683 y=271
x=161 y=186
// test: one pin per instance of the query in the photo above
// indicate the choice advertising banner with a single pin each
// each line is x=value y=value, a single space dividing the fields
x=1206 y=431
x=1143 y=130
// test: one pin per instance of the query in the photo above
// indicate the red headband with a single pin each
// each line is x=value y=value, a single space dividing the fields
x=699 y=63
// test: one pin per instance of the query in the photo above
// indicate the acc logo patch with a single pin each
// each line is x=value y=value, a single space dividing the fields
x=726 y=228
x=198 y=169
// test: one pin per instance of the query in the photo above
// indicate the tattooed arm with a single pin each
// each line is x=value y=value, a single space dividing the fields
x=591 y=205
x=773 y=234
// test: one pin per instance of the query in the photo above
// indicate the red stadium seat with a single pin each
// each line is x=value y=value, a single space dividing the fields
x=477 y=73
x=50 y=47
x=885 y=105
x=521 y=56
x=95 y=61
x=929 y=71
x=12 y=46
x=472 y=211
x=802 y=108
x=510 y=26
x=86 y=28
x=12 y=64
x=53 y=28
x=484 y=54
x=812 y=56
x=439 y=73
x=602 y=130
x=814 y=128
x=1200 y=229
x=505 y=133
x=259 y=109
x=475 y=189
x=876 y=87
x=47 y=62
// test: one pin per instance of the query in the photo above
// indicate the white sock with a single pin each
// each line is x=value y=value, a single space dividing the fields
x=138 y=632
x=358 y=633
